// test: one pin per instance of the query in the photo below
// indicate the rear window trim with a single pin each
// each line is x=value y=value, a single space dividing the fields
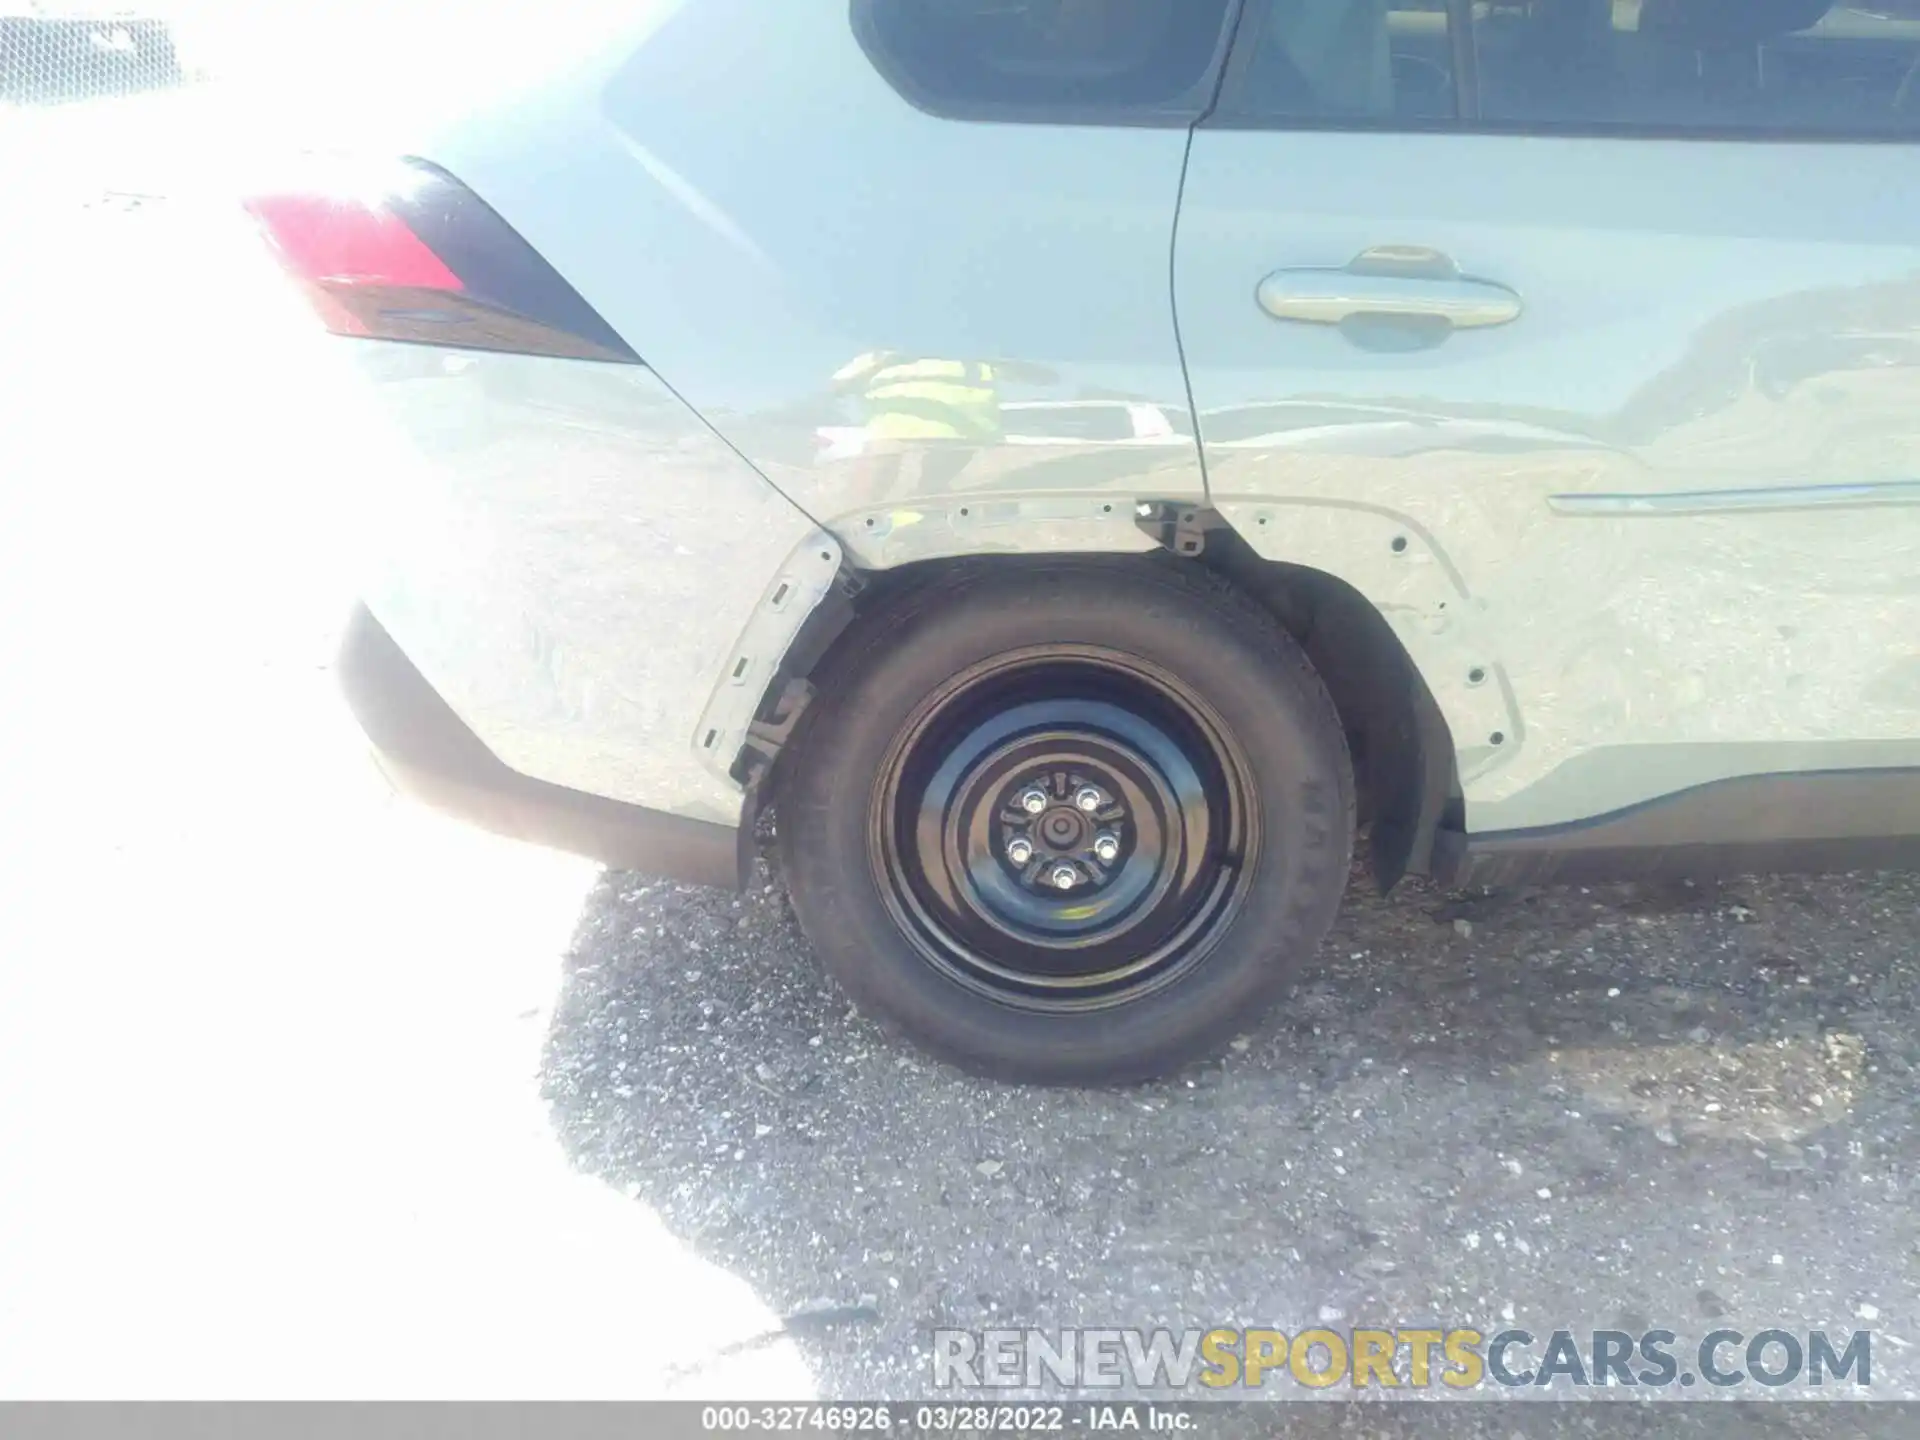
x=1225 y=120
x=1180 y=113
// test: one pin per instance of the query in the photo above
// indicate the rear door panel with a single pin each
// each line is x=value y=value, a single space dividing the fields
x=1609 y=533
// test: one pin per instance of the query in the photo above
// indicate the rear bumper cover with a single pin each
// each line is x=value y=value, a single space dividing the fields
x=429 y=753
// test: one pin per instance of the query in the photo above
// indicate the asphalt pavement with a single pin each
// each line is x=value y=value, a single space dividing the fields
x=1629 y=1107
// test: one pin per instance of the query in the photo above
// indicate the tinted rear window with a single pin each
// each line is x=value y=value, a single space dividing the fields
x=1812 y=67
x=1656 y=67
x=1046 y=59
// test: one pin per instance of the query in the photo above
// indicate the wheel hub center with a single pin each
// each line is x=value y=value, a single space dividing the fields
x=1063 y=829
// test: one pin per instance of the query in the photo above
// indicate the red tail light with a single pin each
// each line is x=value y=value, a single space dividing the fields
x=415 y=256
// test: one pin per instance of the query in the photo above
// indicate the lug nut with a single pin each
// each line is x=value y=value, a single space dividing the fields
x=1089 y=799
x=1064 y=877
x=1019 y=851
x=1034 y=801
x=1107 y=848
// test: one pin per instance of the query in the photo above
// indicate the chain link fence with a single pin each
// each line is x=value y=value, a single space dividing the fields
x=161 y=97
x=52 y=53
x=172 y=98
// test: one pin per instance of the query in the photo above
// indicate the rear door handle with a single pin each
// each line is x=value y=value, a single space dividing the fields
x=1389 y=282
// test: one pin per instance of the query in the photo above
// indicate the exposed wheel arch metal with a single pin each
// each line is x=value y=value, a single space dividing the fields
x=1403 y=750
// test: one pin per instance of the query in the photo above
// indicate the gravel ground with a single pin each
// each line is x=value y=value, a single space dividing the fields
x=1626 y=1107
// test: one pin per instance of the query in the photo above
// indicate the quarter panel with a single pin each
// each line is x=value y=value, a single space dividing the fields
x=570 y=557
x=769 y=224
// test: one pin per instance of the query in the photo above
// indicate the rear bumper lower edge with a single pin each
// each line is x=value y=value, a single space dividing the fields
x=428 y=752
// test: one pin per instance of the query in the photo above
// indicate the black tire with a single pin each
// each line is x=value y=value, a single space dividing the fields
x=1168 y=685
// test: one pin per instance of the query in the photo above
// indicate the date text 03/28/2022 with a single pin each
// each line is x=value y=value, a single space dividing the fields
x=988 y=1417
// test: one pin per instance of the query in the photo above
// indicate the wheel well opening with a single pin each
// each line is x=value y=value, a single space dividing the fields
x=1406 y=784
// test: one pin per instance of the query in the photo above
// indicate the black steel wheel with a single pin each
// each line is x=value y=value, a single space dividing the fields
x=1063 y=827
x=1071 y=823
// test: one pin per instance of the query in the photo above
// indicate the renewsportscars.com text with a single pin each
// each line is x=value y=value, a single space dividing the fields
x=1416 y=1358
